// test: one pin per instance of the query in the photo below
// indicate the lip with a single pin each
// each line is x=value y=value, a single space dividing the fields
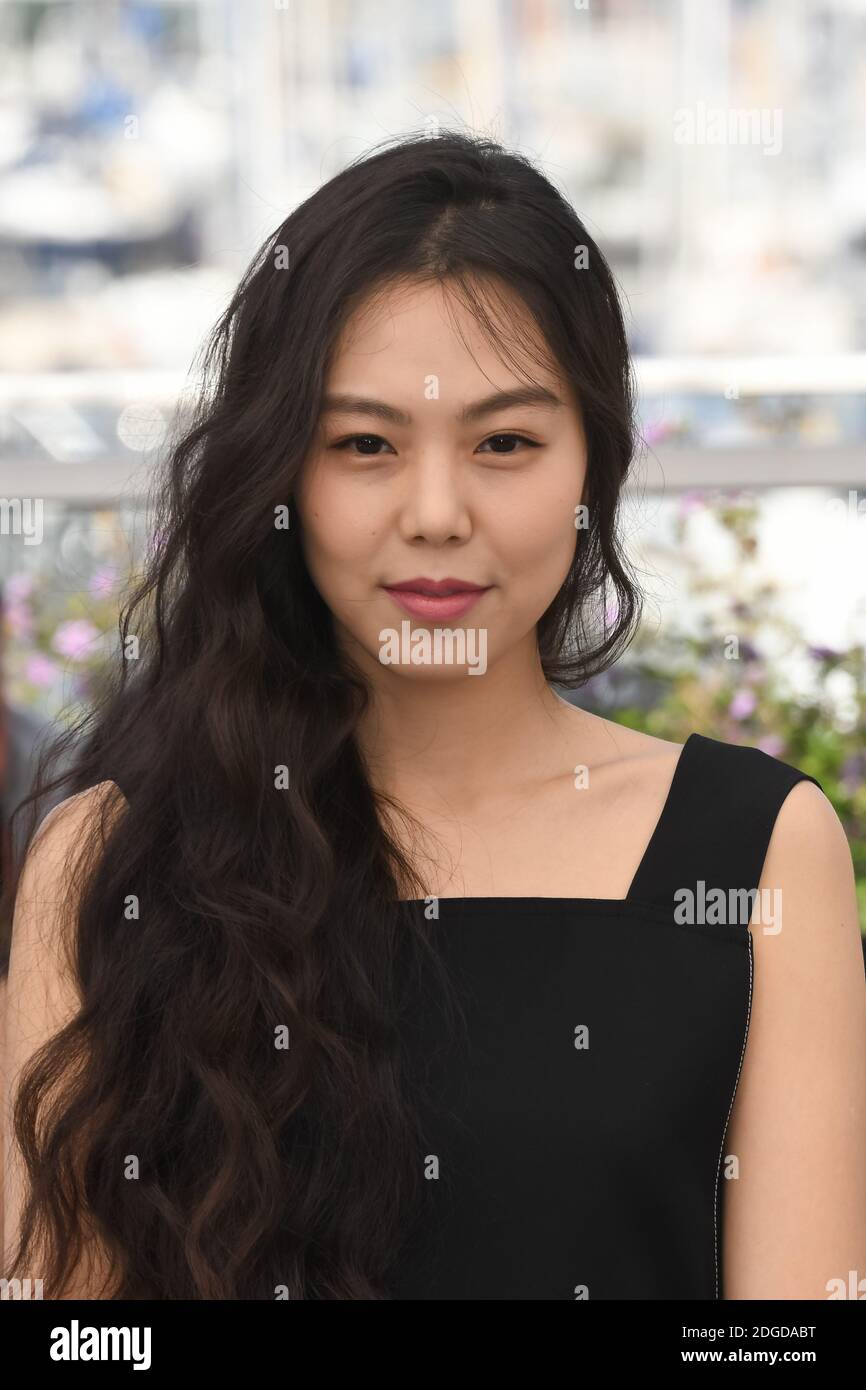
x=428 y=598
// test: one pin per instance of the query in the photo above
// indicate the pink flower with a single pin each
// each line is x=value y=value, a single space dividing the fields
x=18 y=586
x=772 y=744
x=75 y=638
x=656 y=430
x=743 y=704
x=102 y=582
x=691 y=501
x=19 y=619
x=41 y=670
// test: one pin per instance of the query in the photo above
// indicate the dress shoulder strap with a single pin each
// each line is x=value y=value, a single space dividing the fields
x=717 y=821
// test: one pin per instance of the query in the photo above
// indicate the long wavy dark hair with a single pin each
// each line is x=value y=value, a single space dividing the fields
x=264 y=1170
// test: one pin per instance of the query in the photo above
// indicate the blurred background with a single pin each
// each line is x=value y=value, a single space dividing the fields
x=715 y=150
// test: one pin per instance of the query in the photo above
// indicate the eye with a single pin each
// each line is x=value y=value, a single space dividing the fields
x=368 y=444
x=508 y=443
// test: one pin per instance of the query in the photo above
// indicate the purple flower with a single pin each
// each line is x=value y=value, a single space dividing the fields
x=18 y=587
x=19 y=619
x=690 y=501
x=656 y=430
x=853 y=772
x=743 y=704
x=41 y=670
x=74 y=638
x=772 y=744
x=823 y=653
x=102 y=582
x=81 y=685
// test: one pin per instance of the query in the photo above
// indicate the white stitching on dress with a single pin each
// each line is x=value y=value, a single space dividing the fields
x=727 y=1121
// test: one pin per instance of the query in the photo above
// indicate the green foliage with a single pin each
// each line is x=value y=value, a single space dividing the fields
x=742 y=671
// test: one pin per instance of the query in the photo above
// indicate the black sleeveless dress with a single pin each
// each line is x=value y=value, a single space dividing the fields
x=575 y=1147
x=577 y=1150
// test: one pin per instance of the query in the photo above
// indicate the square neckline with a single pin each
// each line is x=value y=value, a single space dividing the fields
x=534 y=901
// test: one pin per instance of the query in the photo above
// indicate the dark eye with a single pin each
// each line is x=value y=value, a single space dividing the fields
x=506 y=443
x=368 y=444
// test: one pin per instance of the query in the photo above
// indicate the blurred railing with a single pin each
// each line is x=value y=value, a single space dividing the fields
x=706 y=422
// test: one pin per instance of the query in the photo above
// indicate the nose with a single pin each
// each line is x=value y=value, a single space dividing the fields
x=434 y=506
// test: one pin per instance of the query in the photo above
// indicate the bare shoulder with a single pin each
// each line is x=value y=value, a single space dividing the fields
x=809 y=862
x=795 y=1220
x=43 y=898
x=71 y=827
x=41 y=993
x=808 y=843
x=807 y=821
x=75 y=815
x=611 y=745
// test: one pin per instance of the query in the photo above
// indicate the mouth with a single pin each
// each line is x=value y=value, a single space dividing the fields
x=436 y=598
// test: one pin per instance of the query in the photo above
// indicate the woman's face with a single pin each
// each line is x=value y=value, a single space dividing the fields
x=423 y=469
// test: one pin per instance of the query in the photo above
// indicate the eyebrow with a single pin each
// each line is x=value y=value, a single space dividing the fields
x=537 y=396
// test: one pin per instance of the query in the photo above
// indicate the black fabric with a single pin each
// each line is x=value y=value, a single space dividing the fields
x=562 y=1172
x=567 y=1173
x=717 y=821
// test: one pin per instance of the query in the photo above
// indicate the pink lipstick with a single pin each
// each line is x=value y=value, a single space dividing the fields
x=435 y=598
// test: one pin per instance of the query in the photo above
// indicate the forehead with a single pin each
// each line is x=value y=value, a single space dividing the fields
x=407 y=328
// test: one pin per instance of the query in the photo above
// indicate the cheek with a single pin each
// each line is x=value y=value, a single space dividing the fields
x=341 y=535
x=540 y=567
x=535 y=530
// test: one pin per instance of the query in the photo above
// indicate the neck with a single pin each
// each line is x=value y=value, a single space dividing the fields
x=466 y=740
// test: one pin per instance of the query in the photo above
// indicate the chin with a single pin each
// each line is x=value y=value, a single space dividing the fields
x=437 y=674
x=440 y=652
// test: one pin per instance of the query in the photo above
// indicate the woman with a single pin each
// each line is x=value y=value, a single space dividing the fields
x=358 y=963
